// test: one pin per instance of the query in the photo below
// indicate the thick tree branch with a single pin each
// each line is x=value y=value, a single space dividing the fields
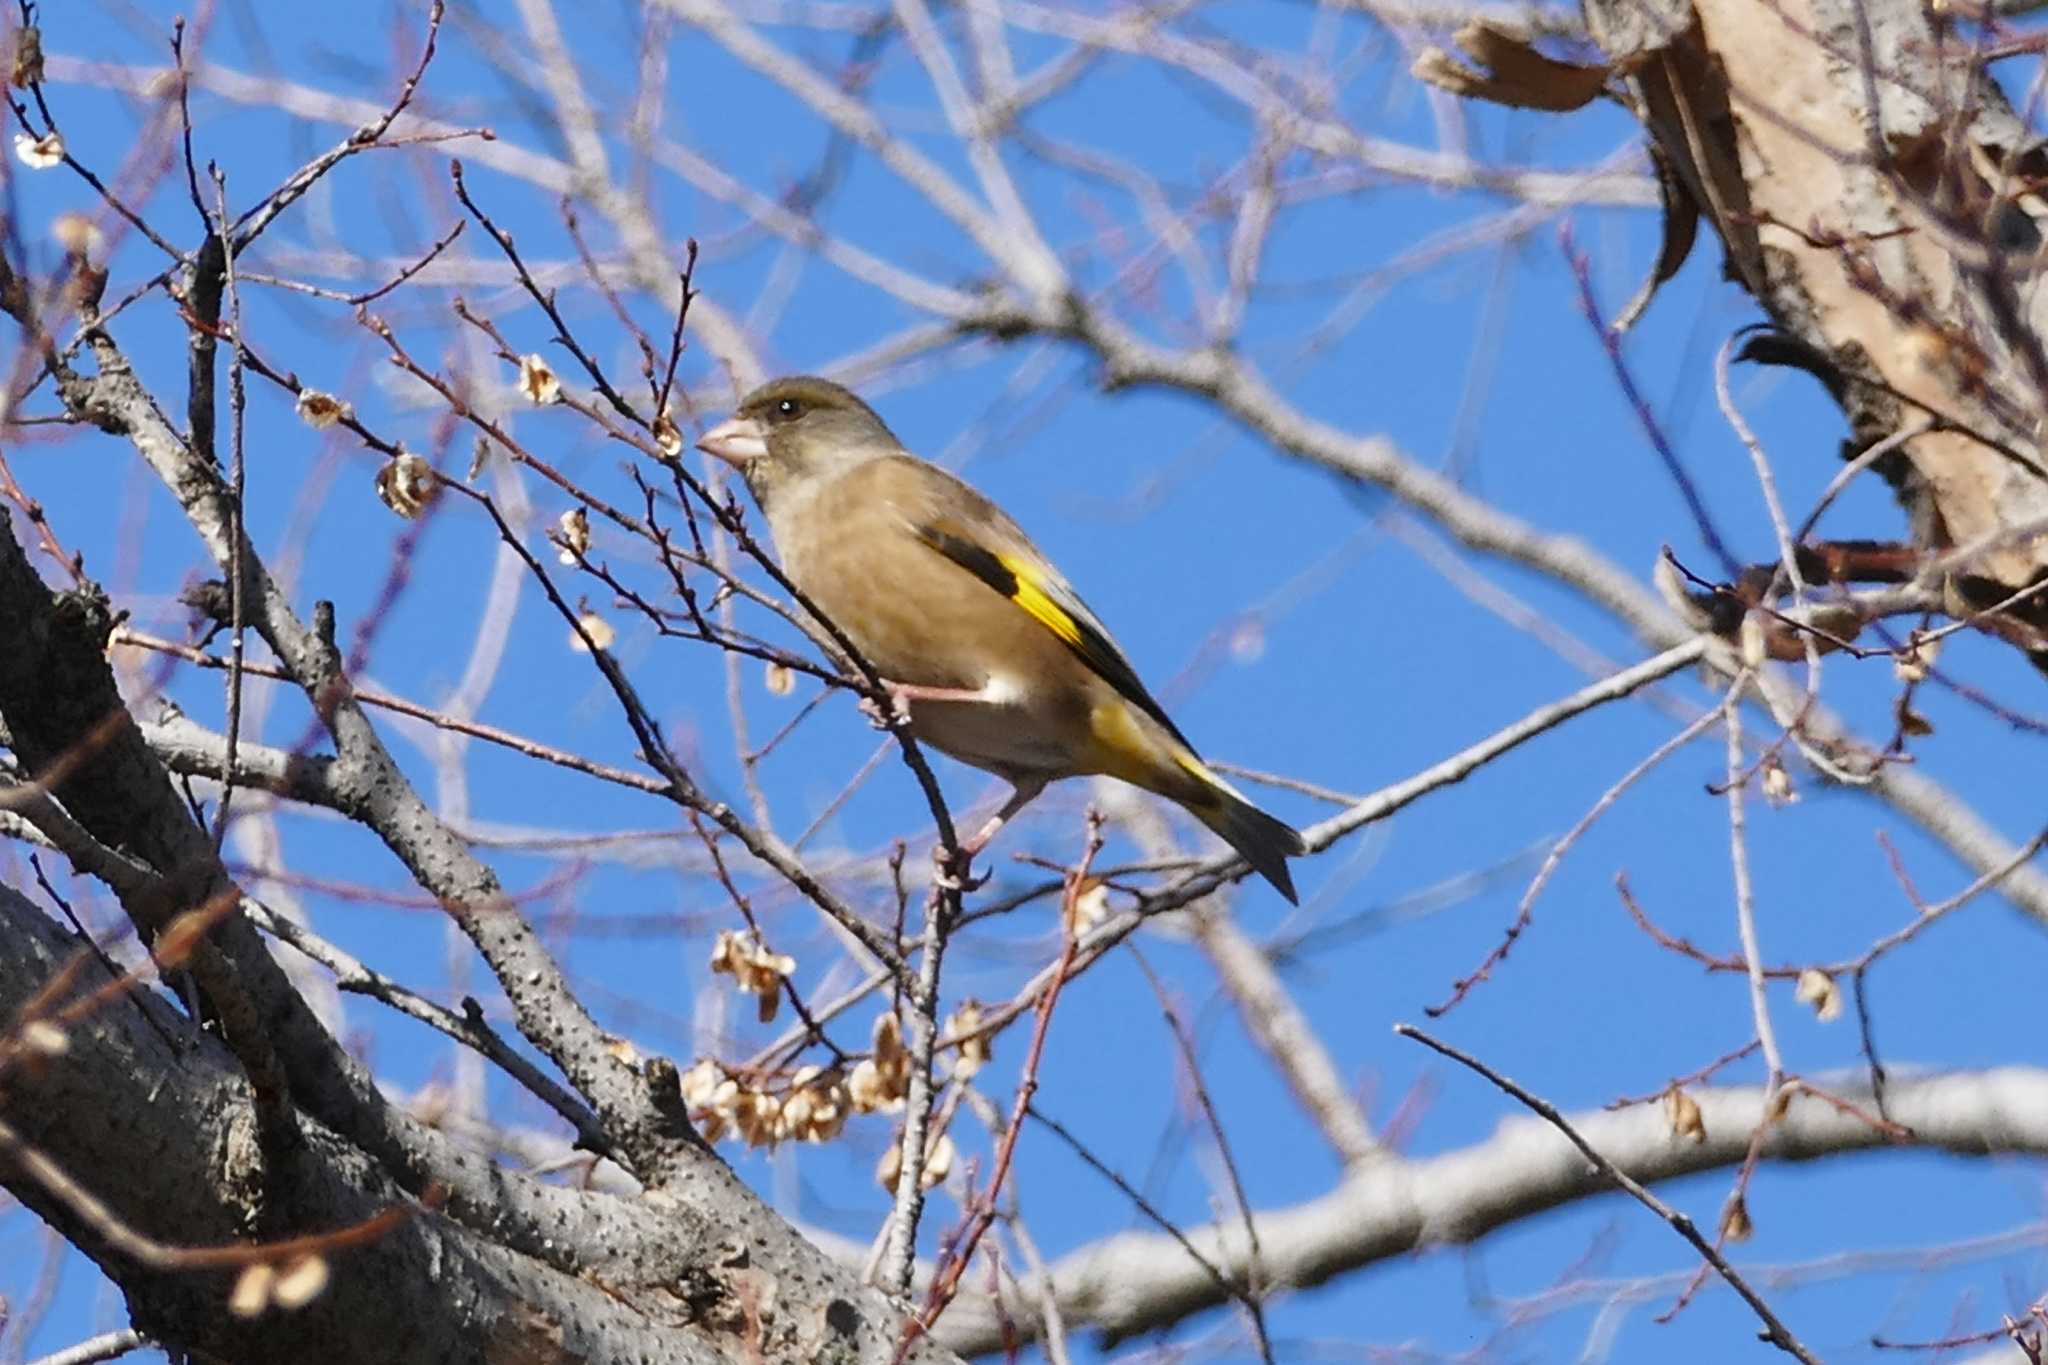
x=1140 y=1282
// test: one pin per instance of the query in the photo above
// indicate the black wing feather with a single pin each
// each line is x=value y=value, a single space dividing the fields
x=1088 y=640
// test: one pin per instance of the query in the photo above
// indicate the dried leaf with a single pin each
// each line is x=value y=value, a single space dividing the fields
x=974 y=1051
x=1912 y=664
x=1755 y=649
x=78 y=234
x=595 y=631
x=668 y=436
x=1681 y=228
x=320 y=410
x=1510 y=71
x=408 y=485
x=1818 y=989
x=1091 y=907
x=537 y=381
x=573 y=534
x=1778 y=789
x=40 y=153
x=28 y=57
x=1682 y=1111
x=1735 y=1224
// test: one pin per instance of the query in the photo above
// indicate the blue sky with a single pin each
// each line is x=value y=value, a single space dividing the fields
x=1180 y=528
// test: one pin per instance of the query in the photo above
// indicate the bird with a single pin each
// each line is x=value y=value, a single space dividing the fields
x=982 y=645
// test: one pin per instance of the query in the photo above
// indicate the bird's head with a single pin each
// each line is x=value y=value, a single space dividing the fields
x=795 y=429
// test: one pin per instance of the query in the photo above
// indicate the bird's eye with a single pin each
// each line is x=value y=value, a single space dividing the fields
x=788 y=407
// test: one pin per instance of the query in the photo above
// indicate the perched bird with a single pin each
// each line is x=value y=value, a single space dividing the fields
x=982 y=644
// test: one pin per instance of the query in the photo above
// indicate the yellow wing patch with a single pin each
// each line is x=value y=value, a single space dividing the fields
x=1027 y=585
x=1032 y=598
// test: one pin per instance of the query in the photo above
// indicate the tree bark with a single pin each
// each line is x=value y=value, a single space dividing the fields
x=1873 y=190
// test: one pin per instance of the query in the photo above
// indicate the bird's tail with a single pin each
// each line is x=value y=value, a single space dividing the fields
x=1141 y=748
x=1263 y=841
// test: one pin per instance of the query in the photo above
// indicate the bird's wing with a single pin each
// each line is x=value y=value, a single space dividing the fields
x=1002 y=557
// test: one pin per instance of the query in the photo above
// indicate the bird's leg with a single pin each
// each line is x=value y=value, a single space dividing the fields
x=1026 y=792
x=902 y=694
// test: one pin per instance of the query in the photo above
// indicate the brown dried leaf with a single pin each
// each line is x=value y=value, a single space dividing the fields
x=1735 y=1223
x=1510 y=71
x=1682 y=1111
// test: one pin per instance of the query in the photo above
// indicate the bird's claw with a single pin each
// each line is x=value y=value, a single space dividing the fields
x=961 y=880
x=897 y=717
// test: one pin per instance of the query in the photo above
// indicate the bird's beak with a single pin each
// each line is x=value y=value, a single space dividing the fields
x=736 y=440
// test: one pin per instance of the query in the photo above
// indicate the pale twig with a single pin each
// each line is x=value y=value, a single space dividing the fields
x=855 y=120
x=1041 y=273
x=946 y=1279
x=400 y=706
x=106 y=1346
x=1775 y=1331
x=1275 y=1022
x=1745 y=899
x=1525 y=909
x=1203 y=879
x=1877 y=451
x=1253 y=1258
x=899 y=1248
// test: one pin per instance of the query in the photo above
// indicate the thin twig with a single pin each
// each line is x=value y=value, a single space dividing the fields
x=1774 y=1331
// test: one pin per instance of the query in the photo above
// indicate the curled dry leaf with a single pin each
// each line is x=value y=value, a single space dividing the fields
x=320 y=410
x=28 y=57
x=753 y=968
x=1818 y=989
x=975 y=1050
x=938 y=1163
x=1091 y=907
x=595 y=632
x=709 y=1095
x=408 y=485
x=816 y=1107
x=882 y=1079
x=667 y=435
x=573 y=534
x=1912 y=663
x=1755 y=648
x=537 y=380
x=779 y=680
x=1735 y=1223
x=1778 y=789
x=1682 y=1111
x=40 y=153
x=78 y=234
x=1509 y=71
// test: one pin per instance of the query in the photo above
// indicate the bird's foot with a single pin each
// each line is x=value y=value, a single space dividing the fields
x=957 y=874
x=895 y=718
